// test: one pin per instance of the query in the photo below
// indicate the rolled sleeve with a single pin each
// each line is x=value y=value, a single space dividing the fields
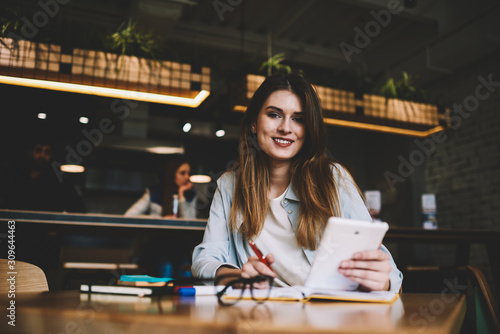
x=216 y=248
x=141 y=206
x=395 y=276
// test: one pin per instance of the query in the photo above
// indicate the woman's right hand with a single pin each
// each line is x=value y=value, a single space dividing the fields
x=254 y=267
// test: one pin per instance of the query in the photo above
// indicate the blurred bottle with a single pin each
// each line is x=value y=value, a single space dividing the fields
x=374 y=203
x=185 y=269
x=175 y=205
x=166 y=269
x=429 y=211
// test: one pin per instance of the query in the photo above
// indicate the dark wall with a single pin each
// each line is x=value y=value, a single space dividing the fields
x=370 y=157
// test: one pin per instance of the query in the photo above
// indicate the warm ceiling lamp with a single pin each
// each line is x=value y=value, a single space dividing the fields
x=200 y=178
x=72 y=168
x=165 y=150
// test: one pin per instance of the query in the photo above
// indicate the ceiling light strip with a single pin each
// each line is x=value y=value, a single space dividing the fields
x=383 y=128
x=107 y=92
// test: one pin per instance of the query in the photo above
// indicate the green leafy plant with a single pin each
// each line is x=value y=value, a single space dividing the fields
x=403 y=89
x=11 y=27
x=274 y=63
x=389 y=89
x=129 y=40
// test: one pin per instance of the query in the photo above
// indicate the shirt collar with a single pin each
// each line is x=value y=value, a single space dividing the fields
x=290 y=194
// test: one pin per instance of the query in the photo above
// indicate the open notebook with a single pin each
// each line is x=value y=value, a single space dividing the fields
x=301 y=293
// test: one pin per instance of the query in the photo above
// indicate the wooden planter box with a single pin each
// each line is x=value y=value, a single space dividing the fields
x=101 y=69
x=372 y=112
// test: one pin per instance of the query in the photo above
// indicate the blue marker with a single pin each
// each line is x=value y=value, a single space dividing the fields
x=198 y=290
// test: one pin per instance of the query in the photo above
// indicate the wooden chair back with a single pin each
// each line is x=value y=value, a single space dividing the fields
x=487 y=313
x=28 y=278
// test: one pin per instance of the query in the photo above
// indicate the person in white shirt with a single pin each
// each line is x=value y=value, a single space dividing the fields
x=158 y=201
x=280 y=194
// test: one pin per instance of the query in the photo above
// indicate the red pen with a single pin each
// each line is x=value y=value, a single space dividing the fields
x=259 y=255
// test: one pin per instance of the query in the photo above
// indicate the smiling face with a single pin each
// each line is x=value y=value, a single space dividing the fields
x=280 y=126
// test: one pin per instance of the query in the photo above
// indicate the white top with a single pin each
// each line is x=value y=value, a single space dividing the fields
x=278 y=237
x=144 y=206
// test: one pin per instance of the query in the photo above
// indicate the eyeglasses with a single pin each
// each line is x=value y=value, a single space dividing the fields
x=257 y=288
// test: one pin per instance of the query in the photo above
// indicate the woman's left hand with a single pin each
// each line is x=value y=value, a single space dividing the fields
x=370 y=269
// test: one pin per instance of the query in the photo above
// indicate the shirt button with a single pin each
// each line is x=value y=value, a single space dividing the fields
x=289 y=211
x=285 y=201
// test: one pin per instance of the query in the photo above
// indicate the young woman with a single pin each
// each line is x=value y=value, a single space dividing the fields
x=281 y=193
x=158 y=200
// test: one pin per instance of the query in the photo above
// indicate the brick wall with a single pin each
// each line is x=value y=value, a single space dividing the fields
x=464 y=170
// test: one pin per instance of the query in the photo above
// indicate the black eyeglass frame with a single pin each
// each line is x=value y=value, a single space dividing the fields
x=245 y=283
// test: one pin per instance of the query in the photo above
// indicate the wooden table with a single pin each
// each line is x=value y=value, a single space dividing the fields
x=50 y=228
x=72 y=312
x=83 y=220
x=46 y=238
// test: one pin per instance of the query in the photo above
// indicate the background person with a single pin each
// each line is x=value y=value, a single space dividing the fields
x=158 y=200
x=37 y=188
x=282 y=192
x=153 y=254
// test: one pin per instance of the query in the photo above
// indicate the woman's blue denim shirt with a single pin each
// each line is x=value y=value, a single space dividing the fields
x=222 y=247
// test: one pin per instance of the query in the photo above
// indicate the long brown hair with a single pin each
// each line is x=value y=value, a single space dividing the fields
x=311 y=168
x=167 y=181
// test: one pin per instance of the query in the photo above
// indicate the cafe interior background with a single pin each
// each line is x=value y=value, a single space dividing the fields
x=363 y=56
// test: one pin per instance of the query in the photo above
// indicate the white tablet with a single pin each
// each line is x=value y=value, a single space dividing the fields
x=341 y=239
